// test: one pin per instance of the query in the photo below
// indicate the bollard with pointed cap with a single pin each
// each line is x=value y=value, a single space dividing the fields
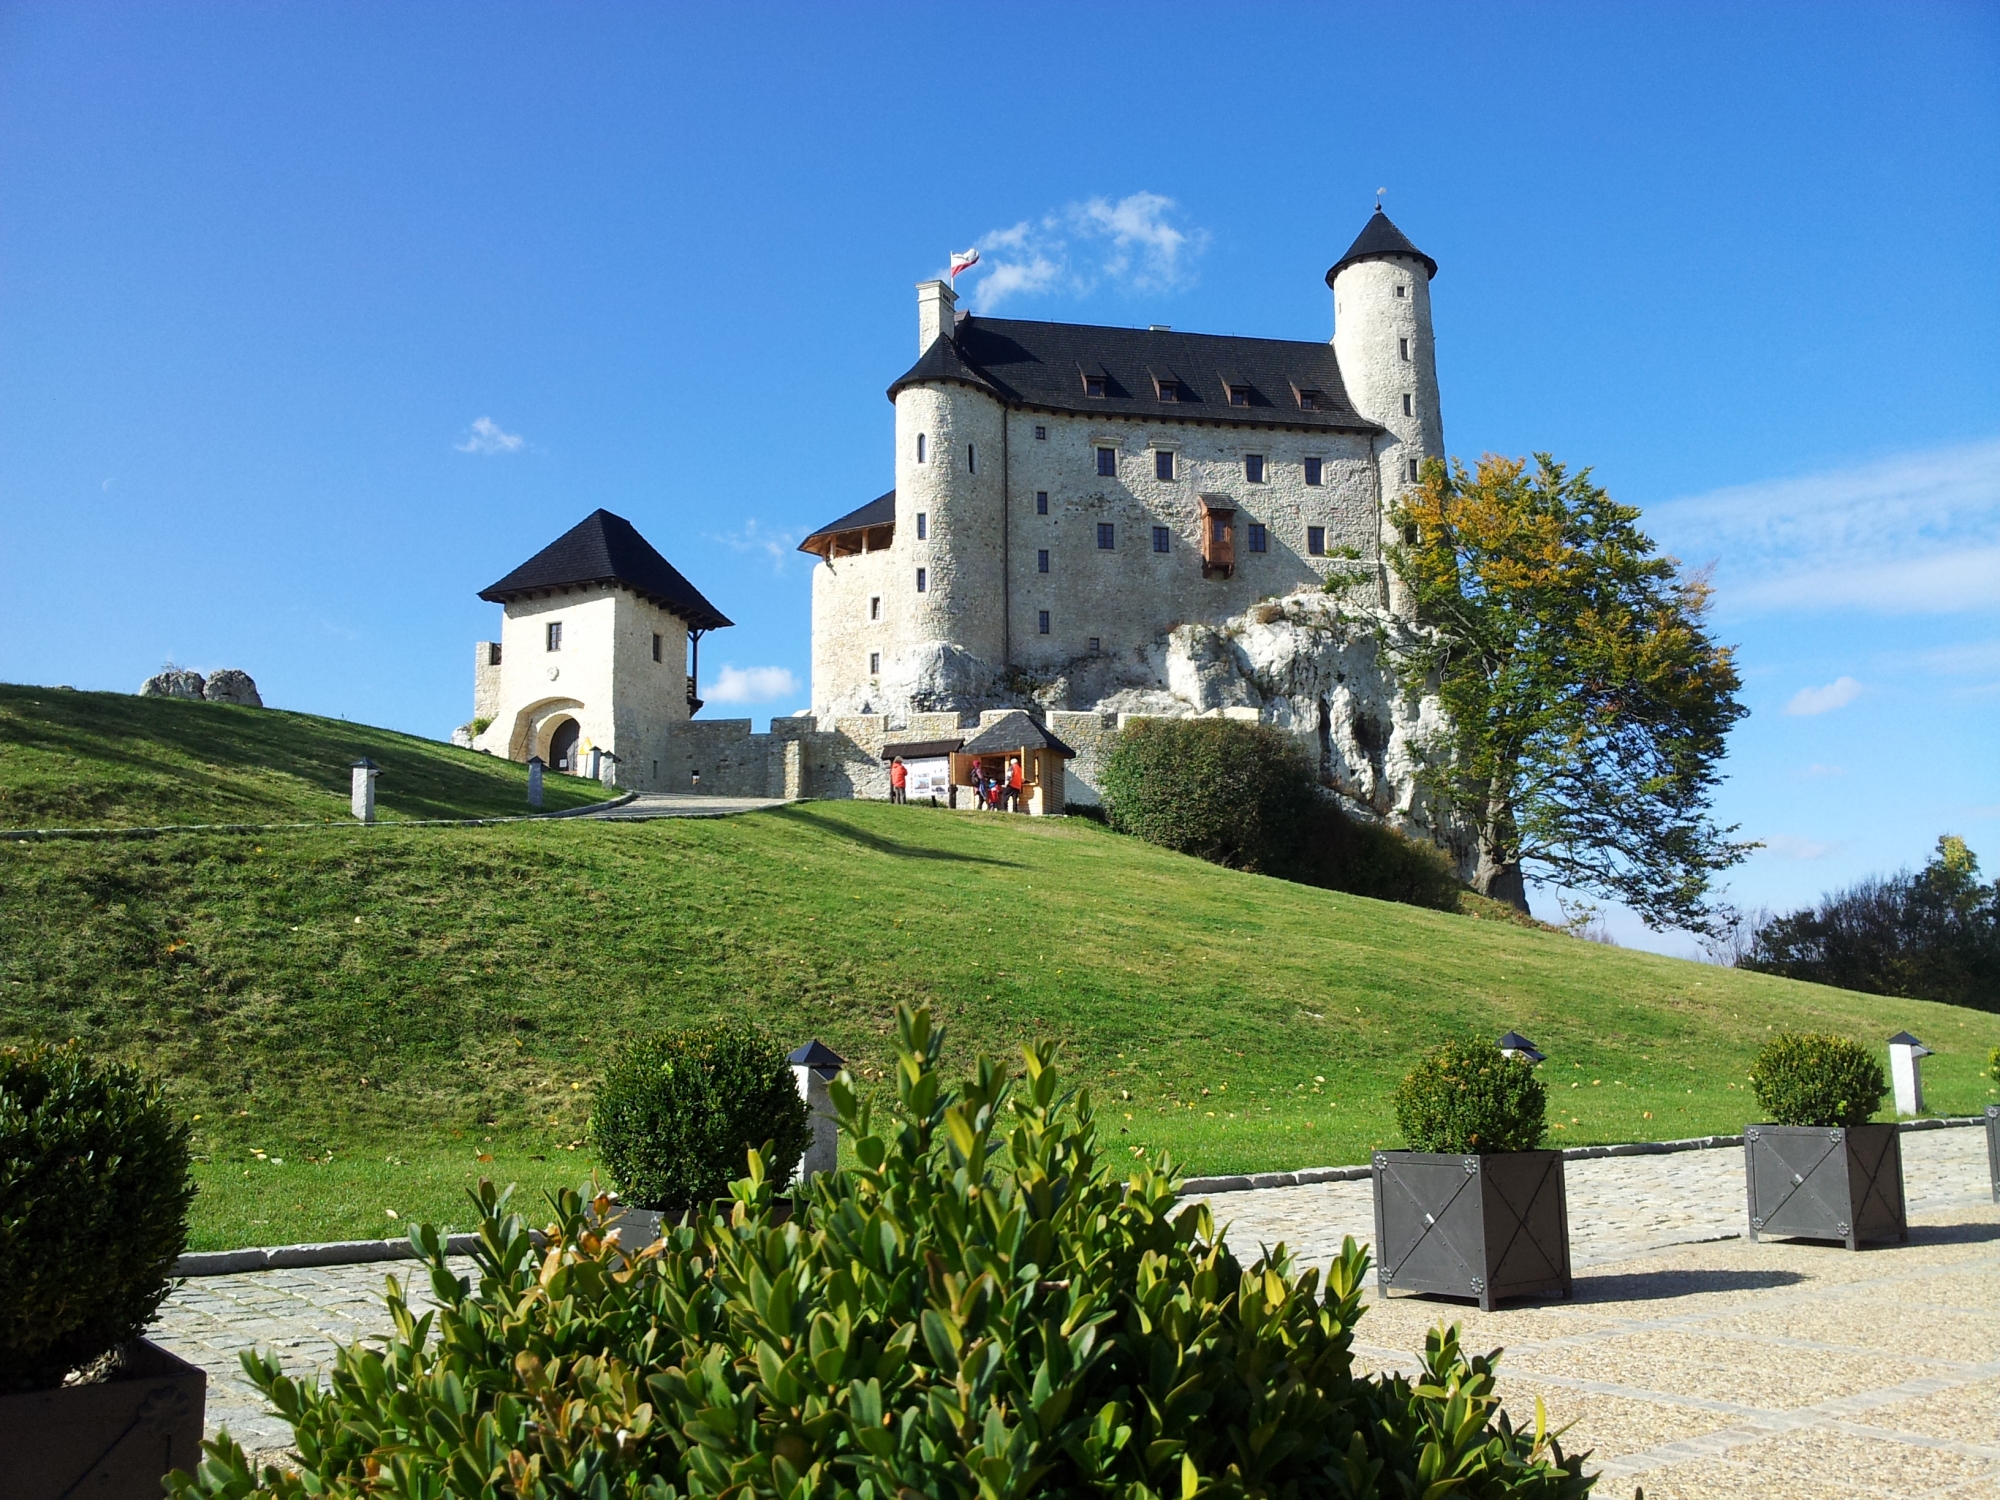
x=1906 y=1072
x=363 y=801
x=534 y=781
x=1513 y=1044
x=814 y=1066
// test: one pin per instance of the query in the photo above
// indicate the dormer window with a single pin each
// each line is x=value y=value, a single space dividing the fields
x=1308 y=400
x=1093 y=387
x=1168 y=387
x=1239 y=395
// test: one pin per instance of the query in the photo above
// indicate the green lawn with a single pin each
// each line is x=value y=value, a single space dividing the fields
x=111 y=760
x=374 y=1011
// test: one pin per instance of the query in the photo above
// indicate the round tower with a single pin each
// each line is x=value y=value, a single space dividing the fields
x=1388 y=361
x=948 y=606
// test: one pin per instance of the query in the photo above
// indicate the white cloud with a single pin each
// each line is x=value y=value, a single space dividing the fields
x=1914 y=534
x=780 y=546
x=1131 y=243
x=750 y=684
x=1820 y=700
x=1816 y=771
x=1789 y=846
x=487 y=436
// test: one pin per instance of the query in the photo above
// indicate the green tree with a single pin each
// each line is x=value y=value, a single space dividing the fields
x=1587 y=703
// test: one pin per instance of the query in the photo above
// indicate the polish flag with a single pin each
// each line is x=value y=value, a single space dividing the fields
x=963 y=260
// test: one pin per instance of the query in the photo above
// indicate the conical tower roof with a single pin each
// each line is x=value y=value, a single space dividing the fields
x=1380 y=239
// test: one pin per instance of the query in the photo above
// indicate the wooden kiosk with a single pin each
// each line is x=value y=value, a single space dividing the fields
x=1014 y=737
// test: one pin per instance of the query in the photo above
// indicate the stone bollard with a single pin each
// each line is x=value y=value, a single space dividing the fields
x=813 y=1066
x=1906 y=1072
x=534 y=781
x=363 y=804
x=607 y=768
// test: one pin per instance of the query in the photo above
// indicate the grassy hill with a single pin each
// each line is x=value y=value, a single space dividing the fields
x=111 y=760
x=366 y=1021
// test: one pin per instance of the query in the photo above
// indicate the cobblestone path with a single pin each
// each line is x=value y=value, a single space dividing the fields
x=1695 y=1365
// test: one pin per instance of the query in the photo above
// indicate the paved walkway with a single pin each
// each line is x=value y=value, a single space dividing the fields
x=649 y=805
x=1695 y=1365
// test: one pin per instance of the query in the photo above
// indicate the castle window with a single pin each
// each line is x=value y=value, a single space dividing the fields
x=1409 y=404
x=656 y=645
x=1413 y=471
x=1218 y=527
x=1253 y=468
x=1308 y=400
x=1096 y=644
x=1041 y=433
x=1257 y=536
x=1316 y=540
x=1041 y=502
x=555 y=635
x=1042 y=618
x=1401 y=290
x=1239 y=395
x=923 y=525
x=1093 y=386
x=1161 y=539
x=1107 y=536
x=492 y=653
x=1313 y=471
x=1107 y=462
x=923 y=581
x=1163 y=463
x=874 y=606
x=920 y=447
x=1410 y=535
x=1169 y=391
x=971 y=459
x=874 y=663
x=1403 y=348
x=1042 y=560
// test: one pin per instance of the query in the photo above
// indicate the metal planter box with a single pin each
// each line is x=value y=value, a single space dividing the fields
x=1825 y=1183
x=115 y=1440
x=1993 y=1147
x=1486 y=1227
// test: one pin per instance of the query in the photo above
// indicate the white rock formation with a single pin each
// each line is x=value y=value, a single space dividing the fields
x=174 y=682
x=232 y=686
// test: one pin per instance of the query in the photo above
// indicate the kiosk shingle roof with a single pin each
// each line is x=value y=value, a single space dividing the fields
x=1015 y=732
x=603 y=548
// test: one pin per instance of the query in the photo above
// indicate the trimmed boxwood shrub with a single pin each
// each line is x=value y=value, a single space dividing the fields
x=1806 y=1078
x=1468 y=1096
x=981 y=1308
x=678 y=1115
x=1245 y=795
x=94 y=1194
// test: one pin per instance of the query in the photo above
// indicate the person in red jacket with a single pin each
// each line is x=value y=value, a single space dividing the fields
x=899 y=780
x=1015 y=782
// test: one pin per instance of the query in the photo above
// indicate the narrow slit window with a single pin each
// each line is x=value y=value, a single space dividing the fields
x=656 y=645
x=1107 y=536
x=971 y=459
x=1107 y=462
x=1316 y=540
x=1253 y=468
x=1041 y=502
x=1403 y=348
x=1409 y=404
x=874 y=606
x=1255 y=535
x=555 y=635
x=1313 y=471
x=923 y=525
x=920 y=447
x=1161 y=539
x=1042 y=622
x=874 y=663
x=1163 y=463
x=1042 y=560
x=1413 y=471
x=923 y=580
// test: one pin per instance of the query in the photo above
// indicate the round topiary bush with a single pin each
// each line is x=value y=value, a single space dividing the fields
x=1468 y=1096
x=1238 y=794
x=677 y=1115
x=1804 y=1078
x=94 y=1194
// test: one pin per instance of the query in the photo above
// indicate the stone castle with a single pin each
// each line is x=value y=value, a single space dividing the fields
x=1087 y=522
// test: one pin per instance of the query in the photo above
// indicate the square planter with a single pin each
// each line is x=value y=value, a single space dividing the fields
x=114 y=1440
x=1825 y=1183
x=1993 y=1148
x=1487 y=1227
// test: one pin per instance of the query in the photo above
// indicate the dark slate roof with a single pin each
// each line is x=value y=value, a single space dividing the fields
x=1378 y=239
x=920 y=749
x=881 y=511
x=816 y=1054
x=1015 y=732
x=1044 y=365
x=603 y=548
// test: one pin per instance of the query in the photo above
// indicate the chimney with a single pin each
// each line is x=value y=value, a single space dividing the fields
x=937 y=306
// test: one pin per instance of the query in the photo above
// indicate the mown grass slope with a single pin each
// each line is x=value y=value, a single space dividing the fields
x=112 y=760
x=381 y=1009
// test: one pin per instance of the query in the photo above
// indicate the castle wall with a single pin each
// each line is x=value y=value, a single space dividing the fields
x=844 y=636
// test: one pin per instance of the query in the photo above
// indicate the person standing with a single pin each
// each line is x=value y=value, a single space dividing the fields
x=899 y=780
x=1016 y=781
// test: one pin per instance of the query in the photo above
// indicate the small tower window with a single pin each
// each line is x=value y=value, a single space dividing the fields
x=1107 y=462
x=1316 y=540
x=1107 y=536
x=1041 y=433
x=1256 y=534
x=874 y=606
x=1413 y=471
x=923 y=581
x=492 y=653
x=1042 y=619
x=1161 y=539
x=1163 y=463
x=923 y=526
x=1409 y=404
x=1403 y=348
x=874 y=663
x=1042 y=560
x=1253 y=468
x=656 y=645
x=971 y=459
x=1401 y=290
x=1313 y=471
x=1096 y=644
x=1041 y=502
x=555 y=635
x=920 y=447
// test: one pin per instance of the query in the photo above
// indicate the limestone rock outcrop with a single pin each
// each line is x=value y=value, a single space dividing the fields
x=174 y=682
x=231 y=686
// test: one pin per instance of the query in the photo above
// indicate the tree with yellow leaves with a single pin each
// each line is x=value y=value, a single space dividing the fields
x=1588 y=704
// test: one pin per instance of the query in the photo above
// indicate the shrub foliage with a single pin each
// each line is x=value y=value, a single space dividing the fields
x=677 y=1115
x=94 y=1194
x=1469 y=1096
x=979 y=1309
x=1804 y=1078
x=1246 y=796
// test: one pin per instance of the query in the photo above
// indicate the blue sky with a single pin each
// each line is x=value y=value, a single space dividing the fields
x=315 y=319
